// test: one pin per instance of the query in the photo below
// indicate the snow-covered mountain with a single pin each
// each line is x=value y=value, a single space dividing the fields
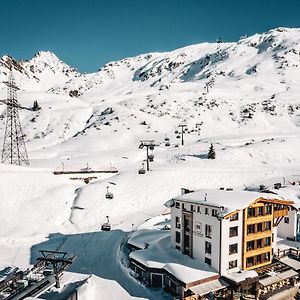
x=249 y=86
x=41 y=72
x=245 y=94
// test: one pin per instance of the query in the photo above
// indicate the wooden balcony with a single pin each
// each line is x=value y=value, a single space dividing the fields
x=280 y=213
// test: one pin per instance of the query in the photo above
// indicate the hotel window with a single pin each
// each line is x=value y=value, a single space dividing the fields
x=232 y=264
x=250 y=245
x=192 y=208
x=251 y=212
x=260 y=211
x=266 y=256
x=177 y=222
x=258 y=259
x=214 y=212
x=208 y=231
x=286 y=220
x=233 y=231
x=259 y=243
x=233 y=248
x=199 y=209
x=206 y=211
x=198 y=227
x=234 y=217
x=182 y=206
x=208 y=247
x=177 y=237
x=250 y=228
x=177 y=205
x=177 y=247
x=208 y=261
x=268 y=241
x=259 y=227
x=268 y=225
x=268 y=209
x=250 y=261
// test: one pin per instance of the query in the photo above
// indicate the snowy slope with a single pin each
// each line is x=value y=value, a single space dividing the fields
x=247 y=86
x=246 y=93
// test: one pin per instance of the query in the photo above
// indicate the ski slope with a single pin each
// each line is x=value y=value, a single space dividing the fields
x=246 y=93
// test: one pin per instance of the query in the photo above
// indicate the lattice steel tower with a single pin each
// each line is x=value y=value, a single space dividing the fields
x=14 y=149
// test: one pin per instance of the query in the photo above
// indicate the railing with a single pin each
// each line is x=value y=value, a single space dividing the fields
x=286 y=252
x=280 y=213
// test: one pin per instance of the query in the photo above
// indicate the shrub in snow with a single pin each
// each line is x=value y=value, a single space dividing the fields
x=74 y=93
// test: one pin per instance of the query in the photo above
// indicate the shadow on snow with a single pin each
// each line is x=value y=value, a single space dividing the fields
x=98 y=253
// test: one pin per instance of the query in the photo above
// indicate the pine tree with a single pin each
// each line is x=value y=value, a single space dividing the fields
x=36 y=106
x=211 y=153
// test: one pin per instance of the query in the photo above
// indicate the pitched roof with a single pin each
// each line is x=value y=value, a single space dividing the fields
x=228 y=200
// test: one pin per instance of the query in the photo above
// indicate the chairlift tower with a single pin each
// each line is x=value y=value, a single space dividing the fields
x=14 y=149
x=183 y=129
x=60 y=261
x=198 y=127
x=149 y=144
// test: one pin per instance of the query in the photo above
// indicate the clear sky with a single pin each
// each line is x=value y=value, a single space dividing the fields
x=89 y=33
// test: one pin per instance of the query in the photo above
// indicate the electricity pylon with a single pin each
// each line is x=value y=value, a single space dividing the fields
x=14 y=149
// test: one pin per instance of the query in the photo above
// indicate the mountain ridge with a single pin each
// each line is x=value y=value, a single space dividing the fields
x=242 y=86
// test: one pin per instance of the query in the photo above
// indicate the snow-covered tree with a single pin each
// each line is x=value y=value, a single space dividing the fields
x=211 y=152
x=35 y=106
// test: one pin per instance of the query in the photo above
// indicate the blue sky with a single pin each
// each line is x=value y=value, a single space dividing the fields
x=89 y=33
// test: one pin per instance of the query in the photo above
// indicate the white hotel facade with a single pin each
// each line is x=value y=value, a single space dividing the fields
x=229 y=230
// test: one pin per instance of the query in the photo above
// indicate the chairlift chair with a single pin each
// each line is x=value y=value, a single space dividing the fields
x=142 y=170
x=167 y=144
x=106 y=226
x=176 y=131
x=108 y=194
x=167 y=139
x=151 y=147
x=151 y=157
x=178 y=136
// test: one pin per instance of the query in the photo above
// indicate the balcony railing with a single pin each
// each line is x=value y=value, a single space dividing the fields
x=280 y=213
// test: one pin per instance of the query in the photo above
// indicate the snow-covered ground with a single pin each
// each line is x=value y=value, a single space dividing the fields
x=250 y=114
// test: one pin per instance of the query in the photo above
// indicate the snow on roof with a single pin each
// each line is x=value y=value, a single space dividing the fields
x=145 y=237
x=293 y=263
x=276 y=277
x=210 y=286
x=94 y=287
x=158 y=222
x=240 y=276
x=291 y=192
x=161 y=256
x=284 y=244
x=228 y=199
